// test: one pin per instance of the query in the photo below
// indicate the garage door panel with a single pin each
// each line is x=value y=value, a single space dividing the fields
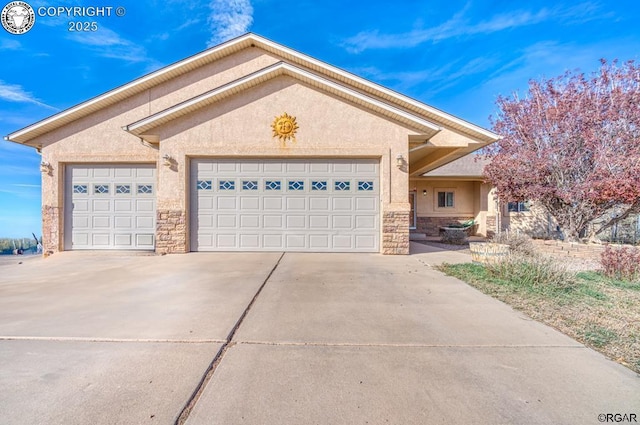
x=278 y=204
x=123 y=240
x=249 y=221
x=106 y=206
x=101 y=239
x=366 y=204
x=342 y=242
x=296 y=221
x=342 y=204
x=101 y=222
x=226 y=241
x=226 y=221
x=145 y=223
x=272 y=221
x=272 y=203
x=226 y=203
x=123 y=222
x=101 y=205
x=319 y=242
x=295 y=241
x=145 y=240
x=122 y=205
x=249 y=203
x=271 y=241
x=145 y=205
x=102 y=172
x=296 y=203
x=250 y=241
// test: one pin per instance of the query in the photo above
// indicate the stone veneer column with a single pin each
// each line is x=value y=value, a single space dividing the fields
x=491 y=225
x=50 y=229
x=395 y=232
x=171 y=231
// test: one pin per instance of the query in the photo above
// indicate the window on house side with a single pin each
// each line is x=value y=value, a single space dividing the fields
x=518 y=207
x=445 y=199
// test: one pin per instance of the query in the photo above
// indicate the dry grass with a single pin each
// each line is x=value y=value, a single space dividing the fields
x=600 y=312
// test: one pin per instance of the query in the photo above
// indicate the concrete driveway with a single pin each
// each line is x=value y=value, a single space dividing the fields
x=283 y=339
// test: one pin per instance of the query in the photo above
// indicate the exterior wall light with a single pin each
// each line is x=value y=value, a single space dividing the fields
x=399 y=161
x=424 y=192
x=167 y=160
x=45 y=167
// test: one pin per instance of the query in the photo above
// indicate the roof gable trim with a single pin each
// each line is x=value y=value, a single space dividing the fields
x=138 y=128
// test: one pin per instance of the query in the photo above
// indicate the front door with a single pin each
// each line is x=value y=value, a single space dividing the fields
x=412 y=215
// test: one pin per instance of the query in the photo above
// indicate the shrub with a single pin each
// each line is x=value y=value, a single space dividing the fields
x=454 y=237
x=621 y=263
x=518 y=242
x=534 y=272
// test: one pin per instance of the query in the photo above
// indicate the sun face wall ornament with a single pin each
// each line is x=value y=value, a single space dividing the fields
x=285 y=127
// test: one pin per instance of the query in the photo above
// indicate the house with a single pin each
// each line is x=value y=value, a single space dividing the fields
x=246 y=146
x=453 y=193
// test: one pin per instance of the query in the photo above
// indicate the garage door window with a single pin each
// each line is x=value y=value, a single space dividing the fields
x=342 y=185
x=296 y=185
x=123 y=189
x=80 y=188
x=272 y=185
x=250 y=185
x=319 y=185
x=365 y=186
x=101 y=189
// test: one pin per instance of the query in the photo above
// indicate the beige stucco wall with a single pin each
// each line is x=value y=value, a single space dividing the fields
x=237 y=126
x=535 y=222
x=465 y=198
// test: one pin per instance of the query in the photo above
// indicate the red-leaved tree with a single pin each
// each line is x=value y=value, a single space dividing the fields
x=572 y=145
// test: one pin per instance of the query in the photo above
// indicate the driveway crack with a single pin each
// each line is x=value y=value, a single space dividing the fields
x=217 y=359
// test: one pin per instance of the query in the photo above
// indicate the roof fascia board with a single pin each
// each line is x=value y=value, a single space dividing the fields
x=269 y=72
x=12 y=137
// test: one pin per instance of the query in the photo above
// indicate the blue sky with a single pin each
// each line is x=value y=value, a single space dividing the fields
x=456 y=56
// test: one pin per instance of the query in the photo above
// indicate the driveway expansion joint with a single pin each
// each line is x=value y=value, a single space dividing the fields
x=348 y=344
x=115 y=340
x=217 y=359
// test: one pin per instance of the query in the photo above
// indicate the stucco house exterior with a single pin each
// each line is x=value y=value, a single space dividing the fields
x=454 y=193
x=246 y=146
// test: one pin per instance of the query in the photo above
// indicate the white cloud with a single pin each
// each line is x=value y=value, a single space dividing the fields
x=229 y=19
x=109 y=44
x=458 y=26
x=15 y=93
x=10 y=44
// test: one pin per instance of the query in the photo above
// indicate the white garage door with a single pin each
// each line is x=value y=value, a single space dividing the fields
x=288 y=205
x=110 y=207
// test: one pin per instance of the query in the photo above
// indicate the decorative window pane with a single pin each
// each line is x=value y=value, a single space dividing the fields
x=123 y=188
x=79 y=188
x=518 y=206
x=227 y=184
x=204 y=184
x=296 y=185
x=101 y=188
x=365 y=185
x=319 y=185
x=272 y=185
x=445 y=199
x=342 y=185
x=250 y=185
x=145 y=189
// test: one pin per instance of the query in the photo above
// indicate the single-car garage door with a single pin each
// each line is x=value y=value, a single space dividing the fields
x=288 y=205
x=110 y=207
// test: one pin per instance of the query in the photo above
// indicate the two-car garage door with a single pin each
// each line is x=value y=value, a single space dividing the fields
x=285 y=205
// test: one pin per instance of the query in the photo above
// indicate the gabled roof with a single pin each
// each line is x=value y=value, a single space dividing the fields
x=139 y=128
x=245 y=41
x=469 y=166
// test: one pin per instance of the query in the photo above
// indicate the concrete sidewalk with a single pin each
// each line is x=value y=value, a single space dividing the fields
x=330 y=338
